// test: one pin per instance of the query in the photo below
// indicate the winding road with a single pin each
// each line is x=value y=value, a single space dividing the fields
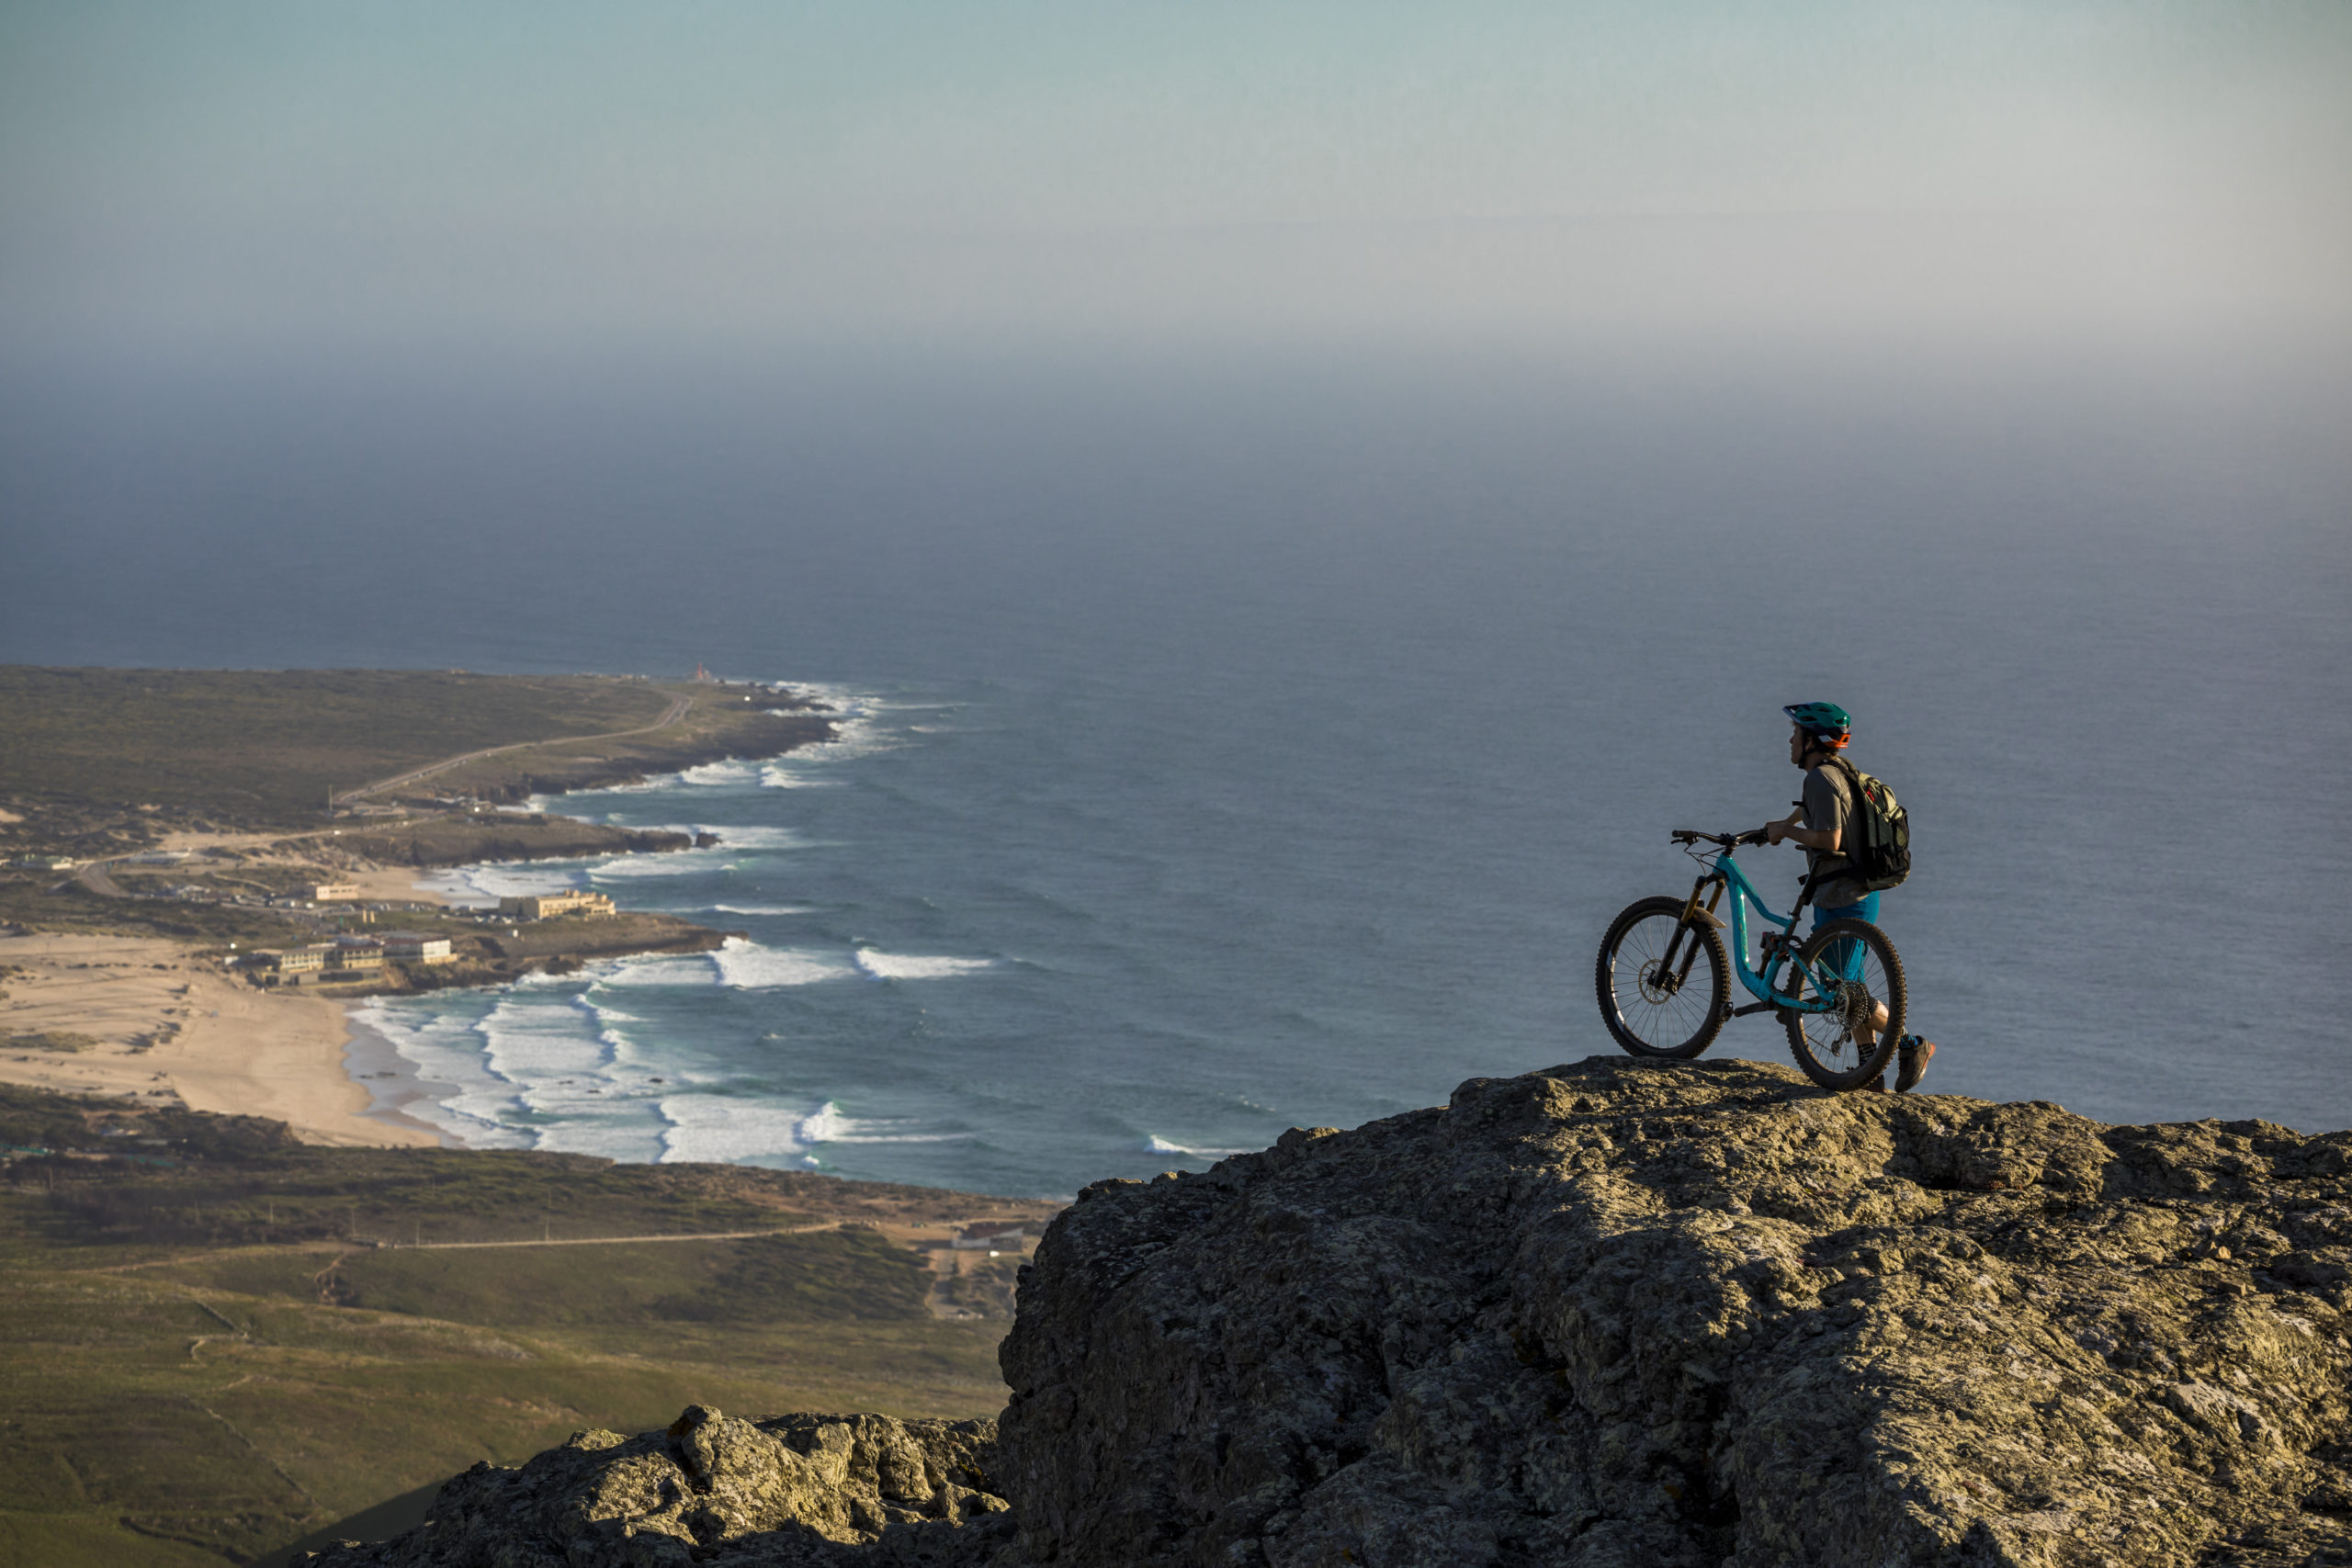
x=607 y=1240
x=678 y=709
x=94 y=876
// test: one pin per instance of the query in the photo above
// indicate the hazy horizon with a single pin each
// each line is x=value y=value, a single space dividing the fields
x=433 y=178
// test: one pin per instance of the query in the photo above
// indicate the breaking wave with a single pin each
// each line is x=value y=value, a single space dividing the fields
x=748 y=966
x=1154 y=1144
x=911 y=966
x=828 y=1126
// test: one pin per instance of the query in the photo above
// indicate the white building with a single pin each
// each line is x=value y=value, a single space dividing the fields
x=999 y=1233
x=418 y=947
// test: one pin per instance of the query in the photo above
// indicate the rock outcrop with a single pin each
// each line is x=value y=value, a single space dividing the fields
x=1627 y=1313
x=792 y=1492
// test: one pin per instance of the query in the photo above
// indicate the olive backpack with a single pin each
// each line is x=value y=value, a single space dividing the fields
x=1878 y=844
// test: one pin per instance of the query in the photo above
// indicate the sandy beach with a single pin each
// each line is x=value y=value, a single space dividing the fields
x=168 y=1025
x=394 y=885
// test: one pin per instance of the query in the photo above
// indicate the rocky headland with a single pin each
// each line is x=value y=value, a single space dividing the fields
x=1615 y=1315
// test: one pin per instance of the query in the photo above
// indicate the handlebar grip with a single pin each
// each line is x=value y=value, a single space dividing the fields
x=1753 y=835
x=1686 y=835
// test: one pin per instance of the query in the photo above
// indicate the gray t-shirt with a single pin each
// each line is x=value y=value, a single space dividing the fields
x=1829 y=803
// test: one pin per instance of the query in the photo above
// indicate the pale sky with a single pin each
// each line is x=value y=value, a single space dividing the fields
x=319 y=168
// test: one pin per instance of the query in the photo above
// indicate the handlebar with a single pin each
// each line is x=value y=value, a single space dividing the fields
x=1724 y=841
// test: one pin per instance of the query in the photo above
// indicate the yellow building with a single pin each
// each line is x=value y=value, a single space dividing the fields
x=540 y=906
x=418 y=947
x=287 y=965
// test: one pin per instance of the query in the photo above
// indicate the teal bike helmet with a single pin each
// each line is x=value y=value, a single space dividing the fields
x=1824 y=721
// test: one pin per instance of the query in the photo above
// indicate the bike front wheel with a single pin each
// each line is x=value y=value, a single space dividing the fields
x=1660 y=996
x=1860 y=974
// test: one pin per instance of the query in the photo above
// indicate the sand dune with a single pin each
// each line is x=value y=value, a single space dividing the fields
x=172 y=1025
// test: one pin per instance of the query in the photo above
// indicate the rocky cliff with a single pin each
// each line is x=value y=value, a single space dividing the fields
x=1612 y=1313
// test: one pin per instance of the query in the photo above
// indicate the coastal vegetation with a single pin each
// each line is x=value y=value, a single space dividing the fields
x=104 y=760
x=42 y=902
x=47 y=1040
x=222 y=1340
x=1616 y=1312
x=423 y=841
x=202 y=806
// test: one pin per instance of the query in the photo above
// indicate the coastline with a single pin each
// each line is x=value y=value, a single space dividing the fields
x=390 y=1081
x=166 y=1024
x=160 y=1021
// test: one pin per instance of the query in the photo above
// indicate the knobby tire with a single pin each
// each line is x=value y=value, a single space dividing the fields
x=1648 y=1020
x=1823 y=1042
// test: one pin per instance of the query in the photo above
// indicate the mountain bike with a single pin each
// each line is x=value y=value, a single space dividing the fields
x=1656 y=1003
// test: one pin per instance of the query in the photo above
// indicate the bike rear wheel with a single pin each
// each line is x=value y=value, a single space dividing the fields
x=1652 y=1010
x=1863 y=973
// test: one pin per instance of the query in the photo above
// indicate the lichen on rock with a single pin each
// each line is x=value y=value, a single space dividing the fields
x=1624 y=1313
x=1616 y=1314
x=791 y=1491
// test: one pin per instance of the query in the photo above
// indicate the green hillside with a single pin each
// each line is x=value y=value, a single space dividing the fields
x=212 y=1351
x=263 y=748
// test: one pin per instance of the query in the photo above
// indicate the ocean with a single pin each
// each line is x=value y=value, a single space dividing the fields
x=1235 y=741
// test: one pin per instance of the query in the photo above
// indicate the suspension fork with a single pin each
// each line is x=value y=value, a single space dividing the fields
x=1677 y=959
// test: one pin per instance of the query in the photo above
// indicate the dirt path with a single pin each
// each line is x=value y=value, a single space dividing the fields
x=611 y=1240
x=678 y=709
x=345 y=1249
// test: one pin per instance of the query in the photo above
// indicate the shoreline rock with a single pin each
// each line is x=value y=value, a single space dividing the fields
x=437 y=843
x=790 y=1492
x=783 y=723
x=1625 y=1314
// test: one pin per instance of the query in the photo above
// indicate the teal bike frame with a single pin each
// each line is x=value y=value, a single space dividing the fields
x=1723 y=873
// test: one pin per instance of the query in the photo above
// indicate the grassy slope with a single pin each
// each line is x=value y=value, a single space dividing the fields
x=131 y=1401
x=263 y=748
x=140 y=1426
x=201 y=1368
x=39 y=901
x=98 y=763
x=98 y=759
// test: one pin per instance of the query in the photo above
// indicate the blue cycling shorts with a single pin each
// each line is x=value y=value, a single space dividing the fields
x=1849 y=961
x=1865 y=910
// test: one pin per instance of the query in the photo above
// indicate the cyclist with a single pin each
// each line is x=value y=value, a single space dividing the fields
x=1820 y=731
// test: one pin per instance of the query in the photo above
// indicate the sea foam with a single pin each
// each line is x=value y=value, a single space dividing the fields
x=748 y=966
x=730 y=771
x=912 y=966
x=1155 y=1144
x=723 y=1128
x=524 y=1041
x=461 y=1098
x=488 y=882
x=828 y=1126
x=630 y=972
x=786 y=775
x=667 y=863
x=752 y=838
